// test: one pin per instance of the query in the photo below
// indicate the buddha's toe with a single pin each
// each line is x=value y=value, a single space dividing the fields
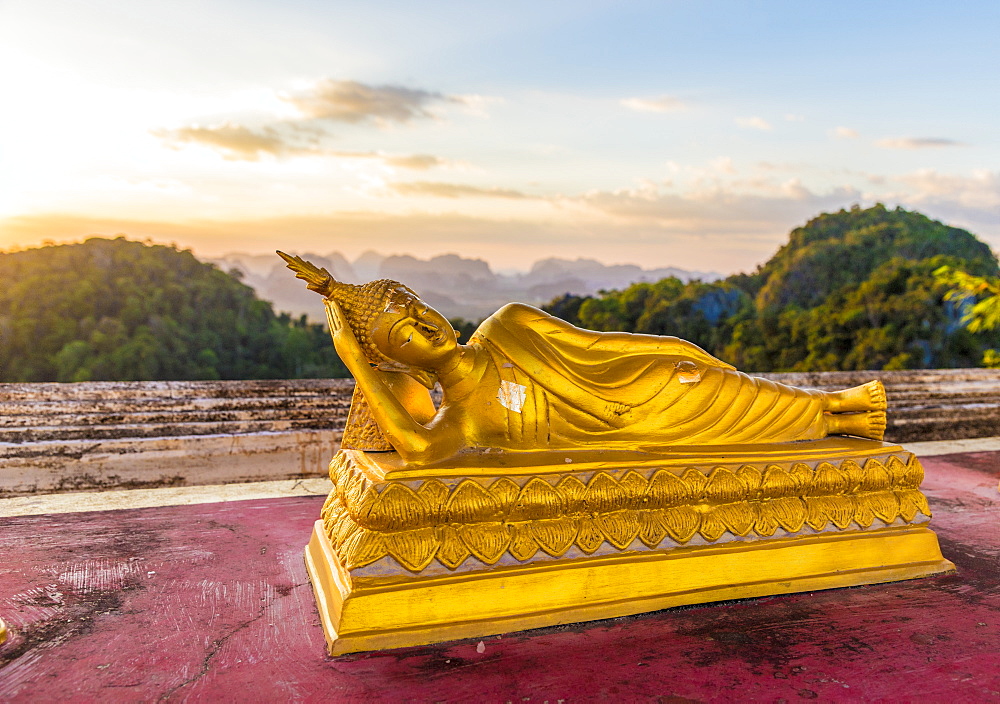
x=876 y=394
x=867 y=397
x=867 y=424
x=876 y=424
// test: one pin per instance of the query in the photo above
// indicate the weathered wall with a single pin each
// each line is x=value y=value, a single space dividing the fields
x=63 y=437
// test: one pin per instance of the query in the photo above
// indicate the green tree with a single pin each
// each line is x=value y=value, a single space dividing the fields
x=980 y=297
x=121 y=310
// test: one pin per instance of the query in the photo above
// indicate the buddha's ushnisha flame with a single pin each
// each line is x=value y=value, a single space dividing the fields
x=360 y=304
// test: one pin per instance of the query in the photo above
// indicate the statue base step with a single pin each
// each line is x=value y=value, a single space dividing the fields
x=370 y=614
x=406 y=556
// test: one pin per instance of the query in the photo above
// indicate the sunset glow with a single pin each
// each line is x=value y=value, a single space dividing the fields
x=665 y=133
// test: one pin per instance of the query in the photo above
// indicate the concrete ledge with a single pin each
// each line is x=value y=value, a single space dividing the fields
x=954 y=447
x=79 y=502
x=113 y=500
x=171 y=461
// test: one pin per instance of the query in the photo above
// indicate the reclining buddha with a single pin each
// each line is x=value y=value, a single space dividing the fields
x=526 y=380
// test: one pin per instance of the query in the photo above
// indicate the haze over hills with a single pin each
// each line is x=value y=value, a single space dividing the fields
x=455 y=285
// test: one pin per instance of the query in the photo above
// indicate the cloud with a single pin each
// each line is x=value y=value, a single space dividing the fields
x=475 y=104
x=918 y=143
x=723 y=165
x=417 y=162
x=414 y=162
x=795 y=167
x=971 y=201
x=720 y=207
x=454 y=190
x=748 y=206
x=663 y=103
x=757 y=123
x=238 y=142
x=982 y=186
x=354 y=102
x=844 y=133
x=327 y=101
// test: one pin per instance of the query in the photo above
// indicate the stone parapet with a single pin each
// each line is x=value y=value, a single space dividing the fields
x=99 y=435
x=96 y=435
x=151 y=409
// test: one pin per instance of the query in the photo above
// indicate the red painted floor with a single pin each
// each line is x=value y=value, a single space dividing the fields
x=211 y=603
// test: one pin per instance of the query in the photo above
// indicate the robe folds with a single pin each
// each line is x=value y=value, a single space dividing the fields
x=566 y=387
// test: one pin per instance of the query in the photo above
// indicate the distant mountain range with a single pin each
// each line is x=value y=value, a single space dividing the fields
x=456 y=286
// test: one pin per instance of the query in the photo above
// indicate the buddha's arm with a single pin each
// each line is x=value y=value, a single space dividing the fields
x=410 y=438
x=618 y=343
x=637 y=343
x=414 y=396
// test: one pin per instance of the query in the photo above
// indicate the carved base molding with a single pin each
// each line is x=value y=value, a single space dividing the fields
x=464 y=552
x=424 y=610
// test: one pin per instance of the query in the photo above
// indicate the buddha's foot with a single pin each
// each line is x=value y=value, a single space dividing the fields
x=868 y=424
x=867 y=397
x=876 y=419
x=876 y=392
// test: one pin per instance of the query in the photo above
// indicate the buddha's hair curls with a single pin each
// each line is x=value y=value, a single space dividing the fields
x=360 y=304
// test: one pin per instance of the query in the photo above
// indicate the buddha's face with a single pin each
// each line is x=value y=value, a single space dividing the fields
x=411 y=332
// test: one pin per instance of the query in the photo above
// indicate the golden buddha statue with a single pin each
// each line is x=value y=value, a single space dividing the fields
x=529 y=381
x=568 y=475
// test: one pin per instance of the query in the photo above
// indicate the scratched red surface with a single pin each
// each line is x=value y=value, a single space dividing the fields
x=211 y=603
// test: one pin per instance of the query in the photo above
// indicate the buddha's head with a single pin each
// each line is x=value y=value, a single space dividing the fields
x=392 y=325
x=410 y=332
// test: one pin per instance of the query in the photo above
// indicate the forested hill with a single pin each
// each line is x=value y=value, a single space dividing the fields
x=843 y=249
x=122 y=310
x=850 y=290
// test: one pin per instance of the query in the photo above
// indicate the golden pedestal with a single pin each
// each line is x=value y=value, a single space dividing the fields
x=501 y=542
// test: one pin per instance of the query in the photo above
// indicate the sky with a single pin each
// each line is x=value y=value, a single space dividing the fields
x=693 y=134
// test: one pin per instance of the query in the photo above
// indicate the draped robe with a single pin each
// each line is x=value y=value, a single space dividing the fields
x=566 y=387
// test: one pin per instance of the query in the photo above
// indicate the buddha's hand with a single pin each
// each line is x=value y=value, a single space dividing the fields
x=343 y=337
x=338 y=321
